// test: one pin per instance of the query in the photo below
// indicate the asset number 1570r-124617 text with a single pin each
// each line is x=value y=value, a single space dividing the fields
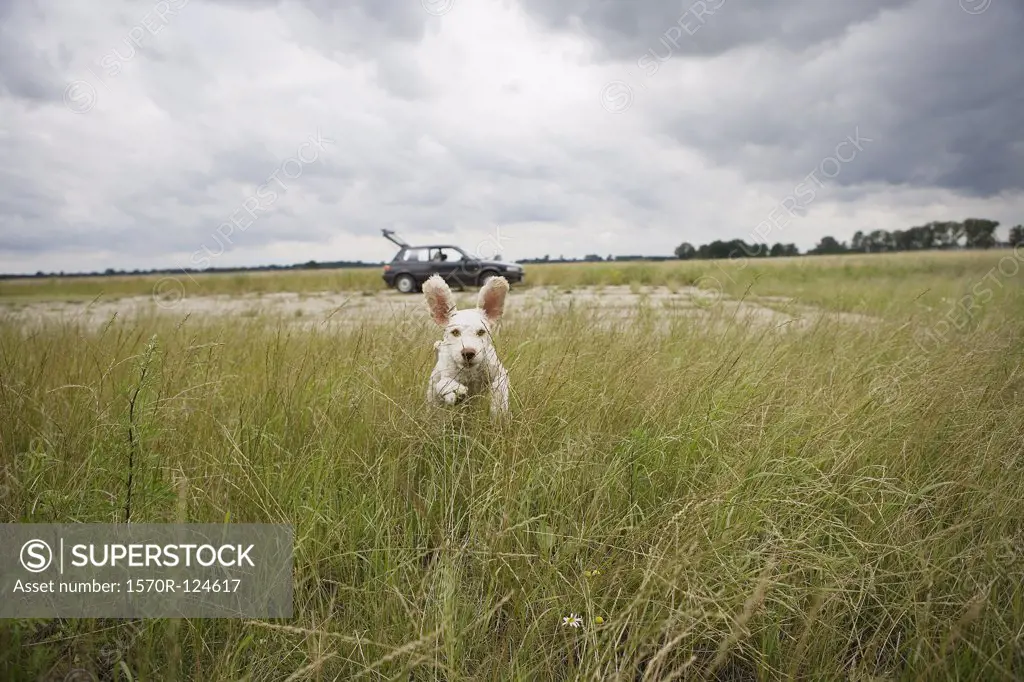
x=167 y=585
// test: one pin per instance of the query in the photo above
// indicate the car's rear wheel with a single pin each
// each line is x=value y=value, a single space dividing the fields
x=405 y=284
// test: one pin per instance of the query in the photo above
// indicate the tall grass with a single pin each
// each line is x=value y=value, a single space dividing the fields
x=838 y=503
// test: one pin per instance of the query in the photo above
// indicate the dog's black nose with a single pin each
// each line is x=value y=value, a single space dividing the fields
x=468 y=354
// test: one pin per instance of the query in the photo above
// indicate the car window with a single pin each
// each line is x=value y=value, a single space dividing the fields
x=414 y=255
x=443 y=255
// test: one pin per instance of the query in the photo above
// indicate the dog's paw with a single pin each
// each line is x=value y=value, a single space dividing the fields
x=456 y=394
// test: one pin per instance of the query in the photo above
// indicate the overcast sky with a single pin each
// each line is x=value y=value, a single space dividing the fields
x=193 y=133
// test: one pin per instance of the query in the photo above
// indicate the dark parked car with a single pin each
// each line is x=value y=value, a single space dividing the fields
x=413 y=265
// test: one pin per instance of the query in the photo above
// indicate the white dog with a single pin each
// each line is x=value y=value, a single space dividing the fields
x=467 y=363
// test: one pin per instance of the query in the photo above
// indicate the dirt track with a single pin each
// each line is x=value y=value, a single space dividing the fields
x=607 y=304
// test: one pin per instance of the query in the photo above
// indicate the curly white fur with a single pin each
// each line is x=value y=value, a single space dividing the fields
x=467 y=363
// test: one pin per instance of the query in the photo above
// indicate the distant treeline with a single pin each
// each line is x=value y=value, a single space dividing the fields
x=973 y=233
x=111 y=272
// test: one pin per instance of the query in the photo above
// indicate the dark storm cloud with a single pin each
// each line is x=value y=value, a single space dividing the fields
x=376 y=20
x=937 y=91
x=381 y=31
x=374 y=29
x=26 y=72
x=629 y=29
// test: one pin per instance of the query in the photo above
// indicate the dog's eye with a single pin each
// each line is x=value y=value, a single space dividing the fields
x=456 y=332
x=480 y=332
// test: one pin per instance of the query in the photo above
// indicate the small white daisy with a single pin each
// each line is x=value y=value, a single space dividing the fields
x=571 y=620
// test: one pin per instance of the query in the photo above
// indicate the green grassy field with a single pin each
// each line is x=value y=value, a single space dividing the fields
x=845 y=502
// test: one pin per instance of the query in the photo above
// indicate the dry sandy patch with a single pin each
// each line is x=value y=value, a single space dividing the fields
x=604 y=305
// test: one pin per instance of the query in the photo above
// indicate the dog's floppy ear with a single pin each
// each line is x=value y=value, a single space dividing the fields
x=492 y=298
x=439 y=299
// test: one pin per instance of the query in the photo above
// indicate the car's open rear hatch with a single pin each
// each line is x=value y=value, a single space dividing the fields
x=391 y=236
